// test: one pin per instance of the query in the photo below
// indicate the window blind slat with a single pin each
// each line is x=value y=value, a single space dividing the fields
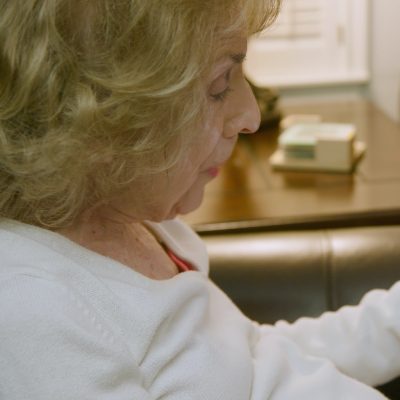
x=298 y=19
x=313 y=41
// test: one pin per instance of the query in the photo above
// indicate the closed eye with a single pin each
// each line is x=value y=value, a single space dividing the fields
x=220 y=88
x=222 y=95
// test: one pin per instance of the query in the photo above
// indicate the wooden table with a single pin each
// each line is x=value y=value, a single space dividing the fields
x=250 y=194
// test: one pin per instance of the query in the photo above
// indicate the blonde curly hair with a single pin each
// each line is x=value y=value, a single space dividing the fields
x=95 y=93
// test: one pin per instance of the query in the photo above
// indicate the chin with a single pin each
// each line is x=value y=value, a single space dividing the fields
x=189 y=204
x=178 y=209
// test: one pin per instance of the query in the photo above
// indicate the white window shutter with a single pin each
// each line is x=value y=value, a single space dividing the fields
x=312 y=42
x=299 y=19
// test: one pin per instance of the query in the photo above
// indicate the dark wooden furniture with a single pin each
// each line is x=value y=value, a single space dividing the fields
x=250 y=194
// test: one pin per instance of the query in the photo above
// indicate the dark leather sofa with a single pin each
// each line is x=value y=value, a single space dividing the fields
x=285 y=275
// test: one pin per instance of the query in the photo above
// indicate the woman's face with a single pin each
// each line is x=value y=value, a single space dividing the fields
x=232 y=110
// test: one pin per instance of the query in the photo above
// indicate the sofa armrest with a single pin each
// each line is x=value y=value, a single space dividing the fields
x=285 y=275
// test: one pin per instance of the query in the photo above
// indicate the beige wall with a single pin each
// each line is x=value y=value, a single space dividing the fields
x=385 y=56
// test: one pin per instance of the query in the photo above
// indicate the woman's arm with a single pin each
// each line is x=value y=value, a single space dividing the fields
x=361 y=341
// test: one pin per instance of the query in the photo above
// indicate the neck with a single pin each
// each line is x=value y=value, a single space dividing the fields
x=123 y=239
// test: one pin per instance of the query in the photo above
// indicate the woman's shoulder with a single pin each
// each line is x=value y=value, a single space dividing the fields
x=20 y=252
x=46 y=288
x=47 y=328
x=33 y=276
x=33 y=255
x=30 y=251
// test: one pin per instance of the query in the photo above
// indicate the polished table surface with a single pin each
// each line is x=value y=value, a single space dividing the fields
x=249 y=193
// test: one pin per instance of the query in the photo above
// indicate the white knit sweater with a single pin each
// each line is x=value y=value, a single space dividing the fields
x=75 y=325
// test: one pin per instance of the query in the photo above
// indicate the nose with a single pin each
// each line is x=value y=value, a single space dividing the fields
x=243 y=113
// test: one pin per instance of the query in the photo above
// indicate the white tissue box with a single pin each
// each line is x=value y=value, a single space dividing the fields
x=318 y=146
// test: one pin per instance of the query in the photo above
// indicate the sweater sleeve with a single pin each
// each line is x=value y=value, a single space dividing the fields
x=54 y=346
x=362 y=341
x=282 y=368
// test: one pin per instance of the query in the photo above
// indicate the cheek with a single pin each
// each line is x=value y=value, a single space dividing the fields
x=210 y=138
x=185 y=189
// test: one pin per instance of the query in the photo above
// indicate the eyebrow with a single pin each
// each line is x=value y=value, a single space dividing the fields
x=238 y=58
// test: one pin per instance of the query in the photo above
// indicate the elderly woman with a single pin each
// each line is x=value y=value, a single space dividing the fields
x=114 y=115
